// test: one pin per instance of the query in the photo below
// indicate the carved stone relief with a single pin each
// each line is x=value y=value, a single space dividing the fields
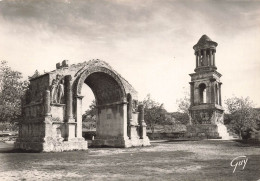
x=57 y=90
x=202 y=117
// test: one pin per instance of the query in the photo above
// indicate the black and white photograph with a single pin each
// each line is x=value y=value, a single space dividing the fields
x=130 y=90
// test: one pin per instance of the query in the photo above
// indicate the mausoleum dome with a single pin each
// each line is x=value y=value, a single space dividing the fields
x=204 y=43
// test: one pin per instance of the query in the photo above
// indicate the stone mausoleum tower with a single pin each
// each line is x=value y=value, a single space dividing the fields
x=206 y=111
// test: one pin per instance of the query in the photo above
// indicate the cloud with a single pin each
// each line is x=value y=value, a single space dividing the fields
x=113 y=19
x=139 y=38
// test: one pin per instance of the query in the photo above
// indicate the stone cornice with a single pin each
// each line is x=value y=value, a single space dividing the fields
x=205 y=72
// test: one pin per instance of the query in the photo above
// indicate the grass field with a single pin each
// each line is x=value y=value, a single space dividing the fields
x=182 y=160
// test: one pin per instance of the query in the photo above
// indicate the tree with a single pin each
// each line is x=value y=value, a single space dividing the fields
x=227 y=118
x=92 y=111
x=154 y=112
x=12 y=88
x=183 y=107
x=90 y=116
x=181 y=118
x=242 y=114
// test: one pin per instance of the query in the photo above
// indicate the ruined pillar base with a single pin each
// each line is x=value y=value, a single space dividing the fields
x=134 y=137
x=206 y=131
x=146 y=141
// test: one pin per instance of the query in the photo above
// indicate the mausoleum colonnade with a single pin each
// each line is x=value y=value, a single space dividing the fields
x=205 y=57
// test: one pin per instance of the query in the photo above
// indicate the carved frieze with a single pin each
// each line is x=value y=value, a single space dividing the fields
x=202 y=116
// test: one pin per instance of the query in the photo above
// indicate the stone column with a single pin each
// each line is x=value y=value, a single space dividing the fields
x=129 y=114
x=199 y=58
x=208 y=60
x=68 y=97
x=47 y=114
x=124 y=125
x=130 y=108
x=143 y=136
x=141 y=112
x=214 y=59
x=142 y=122
x=208 y=96
x=204 y=57
x=79 y=116
x=197 y=61
x=210 y=57
x=47 y=103
x=213 y=101
x=71 y=124
x=216 y=94
x=196 y=95
x=220 y=101
x=191 y=93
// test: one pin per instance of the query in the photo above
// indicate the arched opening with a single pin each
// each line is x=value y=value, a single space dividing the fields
x=104 y=87
x=203 y=93
x=107 y=92
x=89 y=113
x=111 y=106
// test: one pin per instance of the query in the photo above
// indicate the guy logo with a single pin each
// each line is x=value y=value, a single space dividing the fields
x=239 y=161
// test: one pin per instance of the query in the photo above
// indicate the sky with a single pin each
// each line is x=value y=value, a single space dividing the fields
x=149 y=42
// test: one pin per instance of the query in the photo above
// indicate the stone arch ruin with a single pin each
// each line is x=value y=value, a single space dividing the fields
x=52 y=109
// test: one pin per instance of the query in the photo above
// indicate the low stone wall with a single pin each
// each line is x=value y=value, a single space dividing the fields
x=8 y=138
x=255 y=136
x=174 y=135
